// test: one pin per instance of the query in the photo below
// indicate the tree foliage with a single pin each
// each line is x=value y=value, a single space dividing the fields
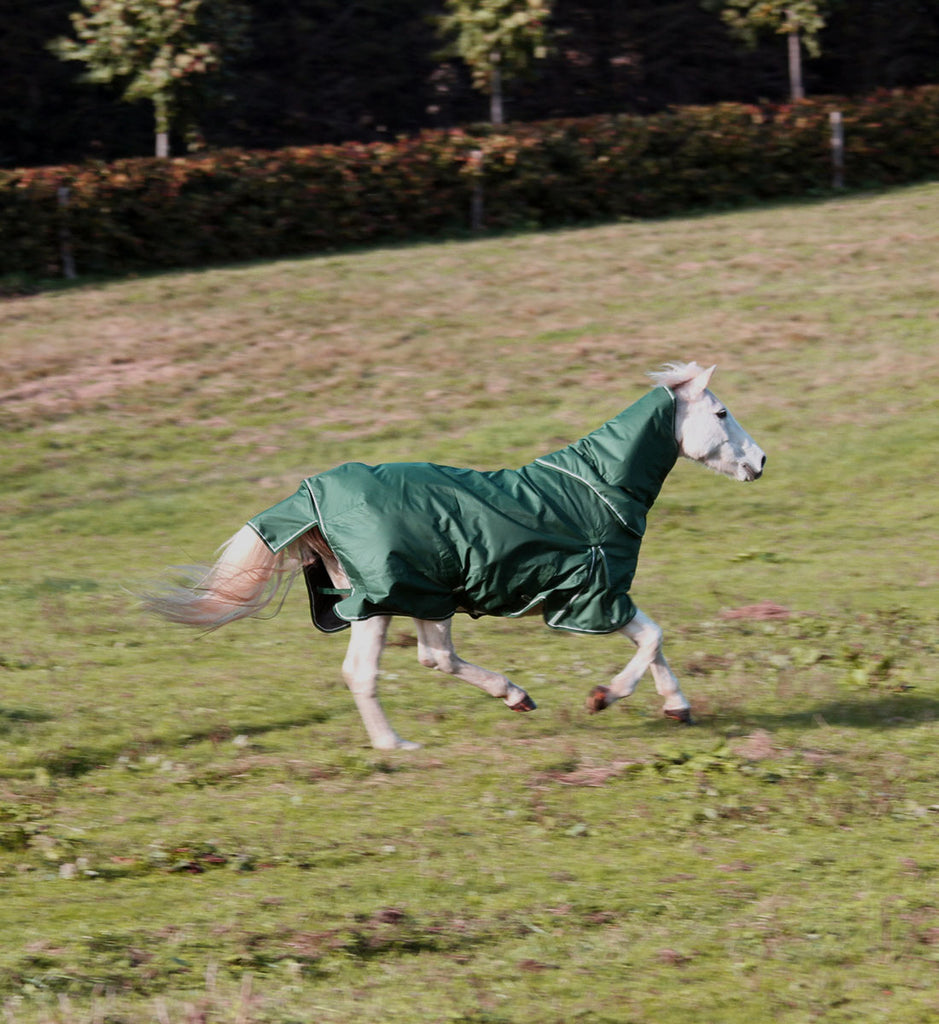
x=321 y=71
x=496 y=39
x=806 y=17
x=801 y=21
x=154 y=48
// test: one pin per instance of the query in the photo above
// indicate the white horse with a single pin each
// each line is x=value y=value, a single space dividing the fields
x=681 y=416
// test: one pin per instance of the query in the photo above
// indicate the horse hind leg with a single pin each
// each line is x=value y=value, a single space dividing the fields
x=360 y=671
x=435 y=650
x=363 y=656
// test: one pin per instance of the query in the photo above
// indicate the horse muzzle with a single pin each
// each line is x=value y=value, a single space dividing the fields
x=752 y=472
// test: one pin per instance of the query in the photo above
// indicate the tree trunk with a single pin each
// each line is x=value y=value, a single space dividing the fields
x=796 y=89
x=162 y=115
x=495 y=90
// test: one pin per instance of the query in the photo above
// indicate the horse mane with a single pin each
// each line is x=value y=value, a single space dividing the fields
x=675 y=374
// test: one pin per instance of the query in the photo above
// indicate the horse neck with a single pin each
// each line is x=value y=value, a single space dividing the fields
x=637 y=449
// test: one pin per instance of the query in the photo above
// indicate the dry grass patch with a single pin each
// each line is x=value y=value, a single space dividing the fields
x=600 y=306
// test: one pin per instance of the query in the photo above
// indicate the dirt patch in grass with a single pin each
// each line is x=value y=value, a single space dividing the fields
x=764 y=611
x=60 y=393
x=587 y=774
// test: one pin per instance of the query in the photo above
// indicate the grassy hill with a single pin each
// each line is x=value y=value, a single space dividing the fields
x=194 y=829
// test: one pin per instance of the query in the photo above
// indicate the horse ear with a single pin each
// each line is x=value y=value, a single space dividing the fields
x=698 y=385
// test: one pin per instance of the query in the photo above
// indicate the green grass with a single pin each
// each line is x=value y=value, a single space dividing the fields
x=194 y=829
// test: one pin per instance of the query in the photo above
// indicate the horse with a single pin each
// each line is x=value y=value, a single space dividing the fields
x=560 y=536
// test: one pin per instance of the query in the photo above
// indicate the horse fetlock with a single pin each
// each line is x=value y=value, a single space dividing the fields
x=391 y=741
x=599 y=698
x=518 y=700
x=397 y=743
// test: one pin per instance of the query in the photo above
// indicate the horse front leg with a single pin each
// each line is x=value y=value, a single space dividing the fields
x=435 y=650
x=360 y=671
x=647 y=636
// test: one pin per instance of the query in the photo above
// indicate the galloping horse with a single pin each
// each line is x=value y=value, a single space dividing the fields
x=560 y=536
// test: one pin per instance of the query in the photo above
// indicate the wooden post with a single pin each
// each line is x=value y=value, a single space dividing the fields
x=476 y=200
x=837 y=149
x=65 y=237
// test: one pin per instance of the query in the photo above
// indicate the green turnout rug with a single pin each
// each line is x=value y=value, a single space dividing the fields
x=562 y=533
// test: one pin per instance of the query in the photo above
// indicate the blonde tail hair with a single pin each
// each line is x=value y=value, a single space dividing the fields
x=245 y=579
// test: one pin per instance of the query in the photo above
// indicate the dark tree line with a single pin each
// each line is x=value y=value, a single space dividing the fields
x=332 y=70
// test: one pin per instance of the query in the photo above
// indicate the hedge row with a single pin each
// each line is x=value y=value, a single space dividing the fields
x=233 y=205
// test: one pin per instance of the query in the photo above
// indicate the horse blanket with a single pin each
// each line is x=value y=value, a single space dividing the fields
x=426 y=541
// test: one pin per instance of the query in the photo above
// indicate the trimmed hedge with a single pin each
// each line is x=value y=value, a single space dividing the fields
x=234 y=205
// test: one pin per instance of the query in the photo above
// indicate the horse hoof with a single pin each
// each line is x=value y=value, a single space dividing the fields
x=525 y=704
x=682 y=715
x=598 y=699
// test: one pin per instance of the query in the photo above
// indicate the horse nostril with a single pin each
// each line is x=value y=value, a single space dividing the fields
x=762 y=462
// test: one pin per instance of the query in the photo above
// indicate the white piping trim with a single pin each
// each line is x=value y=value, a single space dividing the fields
x=587 y=483
x=533 y=603
x=563 y=611
x=286 y=544
x=593 y=632
x=554 y=624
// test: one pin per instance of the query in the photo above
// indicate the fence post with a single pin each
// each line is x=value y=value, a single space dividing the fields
x=65 y=237
x=837 y=149
x=476 y=200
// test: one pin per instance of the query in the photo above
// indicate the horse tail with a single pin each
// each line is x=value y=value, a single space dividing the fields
x=245 y=580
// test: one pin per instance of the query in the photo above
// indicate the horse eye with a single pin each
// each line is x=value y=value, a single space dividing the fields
x=721 y=414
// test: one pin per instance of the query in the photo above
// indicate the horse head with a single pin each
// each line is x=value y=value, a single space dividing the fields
x=705 y=430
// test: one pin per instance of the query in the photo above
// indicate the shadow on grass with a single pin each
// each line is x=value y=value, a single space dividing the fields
x=885 y=711
x=894 y=710
x=74 y=760
x=11 y=716
x=225 y=732
x=13 y=720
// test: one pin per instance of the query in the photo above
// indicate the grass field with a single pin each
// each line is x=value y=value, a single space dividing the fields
x=195 y=830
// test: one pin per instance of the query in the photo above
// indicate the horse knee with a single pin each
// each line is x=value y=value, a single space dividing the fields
x=361 y=680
